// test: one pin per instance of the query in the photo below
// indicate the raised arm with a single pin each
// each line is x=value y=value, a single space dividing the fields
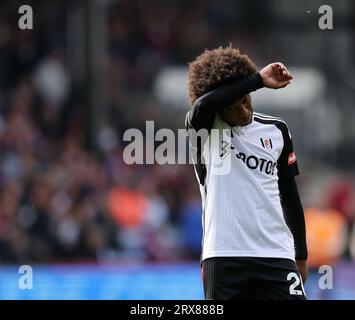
x=203 y=110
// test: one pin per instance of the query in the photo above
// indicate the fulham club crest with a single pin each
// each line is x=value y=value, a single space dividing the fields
x=266 y=143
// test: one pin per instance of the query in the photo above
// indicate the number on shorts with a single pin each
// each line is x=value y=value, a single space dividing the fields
x=293 y=291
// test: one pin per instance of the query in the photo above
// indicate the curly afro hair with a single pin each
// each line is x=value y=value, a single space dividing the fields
x=217 y=67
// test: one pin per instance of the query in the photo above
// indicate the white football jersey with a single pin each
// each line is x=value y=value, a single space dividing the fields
x=238 y=178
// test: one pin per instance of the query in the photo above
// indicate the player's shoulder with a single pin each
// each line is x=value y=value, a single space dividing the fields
x=268 y=119
x=264 y=119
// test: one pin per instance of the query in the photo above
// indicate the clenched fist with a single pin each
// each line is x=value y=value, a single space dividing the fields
x=275 y=76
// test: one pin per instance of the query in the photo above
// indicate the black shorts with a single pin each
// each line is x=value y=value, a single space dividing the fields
x=234 y=278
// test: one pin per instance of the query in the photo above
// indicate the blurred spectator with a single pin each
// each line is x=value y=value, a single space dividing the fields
x=128 y=207
x=52 y=81
x=191 y=228
x=341 y=198
x=326 y=236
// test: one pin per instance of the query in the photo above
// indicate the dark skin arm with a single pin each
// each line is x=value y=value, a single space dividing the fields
x=303 y=269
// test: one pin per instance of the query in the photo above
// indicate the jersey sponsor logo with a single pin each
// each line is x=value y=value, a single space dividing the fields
x=251 y=161
x=291 y=158
x=266 y=143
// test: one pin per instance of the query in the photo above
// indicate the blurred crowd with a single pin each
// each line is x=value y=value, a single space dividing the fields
x=61 y=200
